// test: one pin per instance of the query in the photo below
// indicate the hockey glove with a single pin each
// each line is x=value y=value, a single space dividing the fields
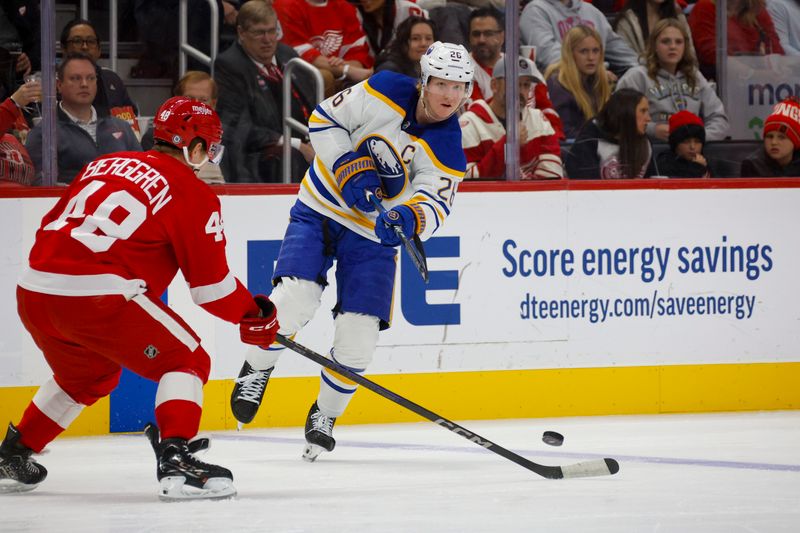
x=401 y=216
x=260 y=330
x=355 y=174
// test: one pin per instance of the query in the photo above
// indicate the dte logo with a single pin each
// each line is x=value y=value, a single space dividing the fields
x=261 y=257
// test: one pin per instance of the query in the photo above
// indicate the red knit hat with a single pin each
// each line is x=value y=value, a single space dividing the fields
x=785 y=118
x=685 y=125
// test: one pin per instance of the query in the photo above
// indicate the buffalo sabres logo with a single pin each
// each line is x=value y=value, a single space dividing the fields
x=387 y=164
x=393 y=215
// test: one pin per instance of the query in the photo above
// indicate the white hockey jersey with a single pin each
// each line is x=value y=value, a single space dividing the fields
x=419 y=165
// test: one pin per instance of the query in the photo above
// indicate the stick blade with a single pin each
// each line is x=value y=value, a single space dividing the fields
x=599 y=467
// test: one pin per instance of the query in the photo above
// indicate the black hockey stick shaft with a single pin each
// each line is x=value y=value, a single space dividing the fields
x=415 y=254
x=597 y=467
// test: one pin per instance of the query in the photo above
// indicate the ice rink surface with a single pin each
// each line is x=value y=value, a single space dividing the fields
x=715 y=473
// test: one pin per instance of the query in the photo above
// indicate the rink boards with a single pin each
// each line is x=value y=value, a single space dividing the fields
x=553 y=299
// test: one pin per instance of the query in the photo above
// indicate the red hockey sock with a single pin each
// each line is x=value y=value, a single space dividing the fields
x=36 y=429
x=178 y=418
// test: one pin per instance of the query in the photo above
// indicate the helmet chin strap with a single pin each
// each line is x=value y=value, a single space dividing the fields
x=195 y=166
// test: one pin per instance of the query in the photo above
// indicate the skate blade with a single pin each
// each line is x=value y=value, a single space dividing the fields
x=10 y=486
x=311 y=452
x=175 y=489
x=239 y=425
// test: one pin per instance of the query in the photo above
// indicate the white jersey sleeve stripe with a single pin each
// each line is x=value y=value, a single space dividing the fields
x=56 y=404
x=216 y=291
x=437 y=201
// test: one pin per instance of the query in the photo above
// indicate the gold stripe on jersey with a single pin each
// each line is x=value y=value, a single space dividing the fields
x=364 y=222
x=317 y=119
x=400 y=111
x=435 y=160
x=424 y=200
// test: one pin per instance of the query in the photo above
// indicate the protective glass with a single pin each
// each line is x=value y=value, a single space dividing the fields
x=215 y=152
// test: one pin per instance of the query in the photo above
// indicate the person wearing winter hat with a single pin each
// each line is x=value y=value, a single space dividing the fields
x=781 y=154
x=687 y=135
x=483 y=130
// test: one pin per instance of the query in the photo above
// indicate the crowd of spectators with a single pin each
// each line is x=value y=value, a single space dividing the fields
x=622 y=79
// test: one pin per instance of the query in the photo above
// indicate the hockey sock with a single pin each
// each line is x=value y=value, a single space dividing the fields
x=50 y=412
x=179 y=405
x=335 y=393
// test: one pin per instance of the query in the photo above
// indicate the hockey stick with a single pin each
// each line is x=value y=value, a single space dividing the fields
x=414 y=249
x=597 y=467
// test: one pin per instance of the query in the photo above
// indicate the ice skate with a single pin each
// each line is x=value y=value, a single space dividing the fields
x=319 y=434
x=248 y=391
x=18 y=472
x=182 y=476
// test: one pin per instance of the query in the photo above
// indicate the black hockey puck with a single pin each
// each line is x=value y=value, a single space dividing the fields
x=552 y=438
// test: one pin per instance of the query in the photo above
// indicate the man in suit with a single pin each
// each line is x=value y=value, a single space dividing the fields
x=249 y=75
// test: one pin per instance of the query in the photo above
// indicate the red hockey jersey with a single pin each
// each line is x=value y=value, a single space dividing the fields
x=483 y=137
x=125 y=225
x=329 y=28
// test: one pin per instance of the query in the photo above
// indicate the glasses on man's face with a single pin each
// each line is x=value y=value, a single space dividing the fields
x=260 y=34
x=78 y=42
x=476 y=34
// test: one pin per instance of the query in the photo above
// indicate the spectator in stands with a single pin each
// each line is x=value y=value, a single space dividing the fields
x=82 y=134
x=157 y=24
x=250 y=75
x=672 y=82
x=785 y=16
x=781 y=153
x=80 y=36
x=380 y=19
x=329 y=36
x=638 y=17
x=483 y=131
x=16 y=165
x=578 y=83
x=486 y=38
x=200 y=86
x=21 y=38
x=414 y=36
x=750 y=31
x=452 y=21
x=544 y=23
x=614 y=144
x=687 y=135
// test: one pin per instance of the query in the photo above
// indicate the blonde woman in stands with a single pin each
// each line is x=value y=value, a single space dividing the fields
x=578 y=82
x=672 y=82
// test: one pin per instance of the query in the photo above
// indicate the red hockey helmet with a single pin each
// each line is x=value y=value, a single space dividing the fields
x=180 y=120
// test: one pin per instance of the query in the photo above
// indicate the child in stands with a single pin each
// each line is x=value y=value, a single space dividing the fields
x=781 y=154
x=687 y=135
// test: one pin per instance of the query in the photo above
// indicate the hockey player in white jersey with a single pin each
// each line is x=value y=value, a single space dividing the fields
x=399 y=139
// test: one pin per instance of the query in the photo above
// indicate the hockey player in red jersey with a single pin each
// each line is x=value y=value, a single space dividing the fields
x=91 y=299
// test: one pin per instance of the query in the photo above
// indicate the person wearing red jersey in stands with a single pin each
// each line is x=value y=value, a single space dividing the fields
x=327 y=34
x=90 y=299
